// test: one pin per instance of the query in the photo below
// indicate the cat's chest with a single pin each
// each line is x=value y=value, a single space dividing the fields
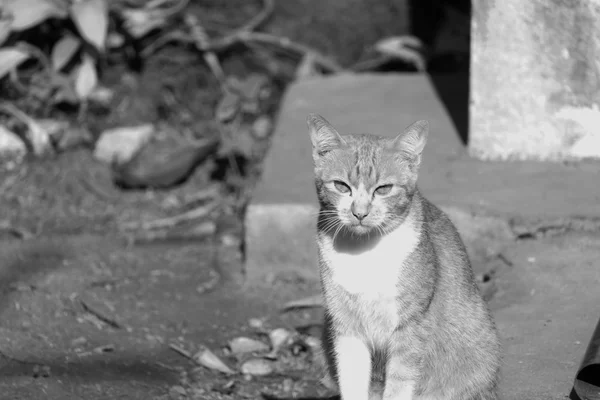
x=374 y=273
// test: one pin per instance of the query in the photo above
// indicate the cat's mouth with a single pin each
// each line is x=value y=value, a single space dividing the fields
x=360 y=228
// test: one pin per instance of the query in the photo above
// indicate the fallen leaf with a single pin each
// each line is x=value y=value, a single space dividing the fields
x=208 y=359
x=279 y=338
x=10 y=58
x=241 y=345
x=91 y=19
x=257 y=367
x=86 y=77
x=256 y=323
x=28 y=13
x=63 y=51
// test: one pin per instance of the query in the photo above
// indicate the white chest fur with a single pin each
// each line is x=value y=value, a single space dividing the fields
x=373 y=273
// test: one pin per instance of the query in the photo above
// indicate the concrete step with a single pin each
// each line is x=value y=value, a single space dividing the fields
x=483 y=199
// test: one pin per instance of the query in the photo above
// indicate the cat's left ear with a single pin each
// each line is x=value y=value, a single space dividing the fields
x=412 y=141
x=323 y=135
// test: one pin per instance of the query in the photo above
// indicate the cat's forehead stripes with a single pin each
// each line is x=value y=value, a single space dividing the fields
x=364 y=164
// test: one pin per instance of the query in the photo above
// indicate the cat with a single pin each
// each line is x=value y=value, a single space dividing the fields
x=404 y=318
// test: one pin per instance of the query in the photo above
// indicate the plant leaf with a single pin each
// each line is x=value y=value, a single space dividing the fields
x=91 y=19
x=11 y=57
x=28 y=13
x=86 y=78
x=64 y=50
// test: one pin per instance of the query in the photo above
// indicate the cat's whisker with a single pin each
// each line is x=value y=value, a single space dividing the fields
x=337 y=231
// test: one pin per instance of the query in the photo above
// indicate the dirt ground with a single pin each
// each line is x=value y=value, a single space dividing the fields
x=89 y=312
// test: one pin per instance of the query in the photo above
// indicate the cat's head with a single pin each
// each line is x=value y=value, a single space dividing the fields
x=365 y=182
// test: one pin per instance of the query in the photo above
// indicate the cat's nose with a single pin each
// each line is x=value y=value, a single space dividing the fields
x=360 y=212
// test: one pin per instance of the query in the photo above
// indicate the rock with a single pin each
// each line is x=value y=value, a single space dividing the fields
x=241 y=345
x=163 y=165
x=257 y=367
x=119 y=145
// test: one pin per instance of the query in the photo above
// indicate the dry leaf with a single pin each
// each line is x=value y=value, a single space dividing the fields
x=257 y=367
x=86 y=78
x=64 y=50
x=208 y=359
x=279 y=338
x=241 y=345
x=91 y=19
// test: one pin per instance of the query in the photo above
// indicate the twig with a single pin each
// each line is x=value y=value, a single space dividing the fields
x=323 y=61
x=259 y=19
x=17 y=360
x=212 y=283
x=99 y=314
x=200 y=39
x=38 y=137
x=245 y=34
x=201 y=231
x=40 y=55
x=196 y=213
x=13 y=230
x=308 y=302
x=210 y=192
x=182 y=351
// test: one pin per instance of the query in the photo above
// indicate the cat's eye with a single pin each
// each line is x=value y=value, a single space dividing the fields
x=383 y=189
x=341 y=187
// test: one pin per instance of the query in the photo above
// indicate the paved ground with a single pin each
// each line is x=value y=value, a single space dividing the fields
x=543 y=217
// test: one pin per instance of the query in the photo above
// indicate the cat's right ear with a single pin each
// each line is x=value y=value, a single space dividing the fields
x=323 y=135
x=412 y=141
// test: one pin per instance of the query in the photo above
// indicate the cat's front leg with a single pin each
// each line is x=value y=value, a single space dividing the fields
x=399 y=381
x=397 y=389
x=353 y=361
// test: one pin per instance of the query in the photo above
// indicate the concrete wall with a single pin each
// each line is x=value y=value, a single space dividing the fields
x=535 y=79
